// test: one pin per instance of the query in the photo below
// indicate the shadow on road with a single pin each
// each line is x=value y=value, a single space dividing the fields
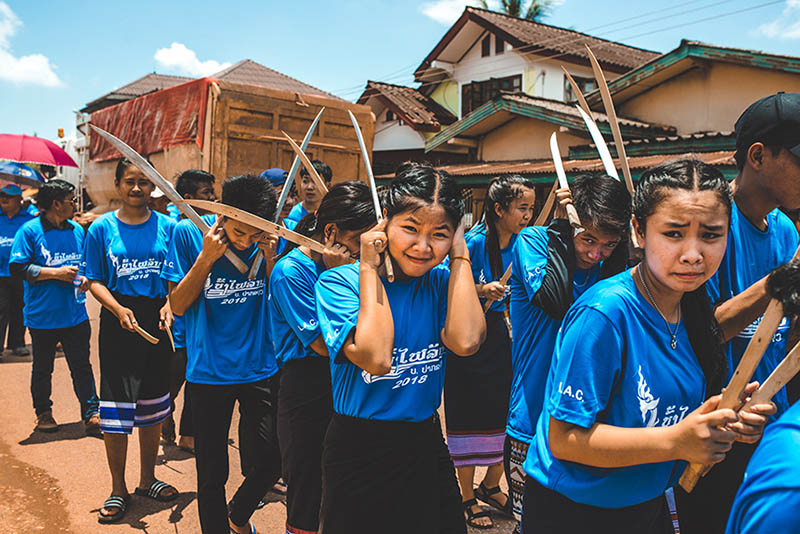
x=141 y=507
x=65 y=432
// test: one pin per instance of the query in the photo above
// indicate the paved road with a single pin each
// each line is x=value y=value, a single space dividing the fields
x=55 y=483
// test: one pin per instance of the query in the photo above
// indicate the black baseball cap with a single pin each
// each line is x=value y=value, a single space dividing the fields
x=773 y=120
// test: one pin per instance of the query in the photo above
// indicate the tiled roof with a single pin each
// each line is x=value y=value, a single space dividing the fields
x=415 y=109
x=544 y=39
x=495 y=168
x=146 y=84
x=249 y=72
x=569 y=109
x=245 y=71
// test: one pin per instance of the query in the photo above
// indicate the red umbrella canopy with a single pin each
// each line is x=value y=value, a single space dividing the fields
x=29 y=149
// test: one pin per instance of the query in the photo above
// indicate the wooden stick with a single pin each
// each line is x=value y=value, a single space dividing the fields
x=732 y=394
x=572 y=213
x=608 y=104
x=307 y=164
x=578 y=94
x=781 y=376
x=154 y=176
x=504 y=281
x=142 y=332
x=257 y=222
x=171 y=339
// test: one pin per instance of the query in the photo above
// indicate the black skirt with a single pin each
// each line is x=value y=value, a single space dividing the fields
x=389 y=477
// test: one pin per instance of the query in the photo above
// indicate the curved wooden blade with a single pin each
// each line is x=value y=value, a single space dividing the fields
x=162 y=183
x=608 y=104
x=145 y=334
x=781 y=376
x=504 y=281
x=578 y=94
x=287 y=186
x=572 y=213
x=256 y=222
x=307 y=164
x=387 y=260
x=600 y=143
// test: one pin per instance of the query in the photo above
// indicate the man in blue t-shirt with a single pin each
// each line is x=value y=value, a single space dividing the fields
x=229 y=352
x=761 y=238
x=47 y=252
x=769 y=497
x=312 y=196
x=11 y=292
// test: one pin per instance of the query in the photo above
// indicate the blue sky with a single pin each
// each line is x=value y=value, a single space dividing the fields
x=55 y=56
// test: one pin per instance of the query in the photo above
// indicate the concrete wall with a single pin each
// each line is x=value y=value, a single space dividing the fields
x=447 y=94
x=708 y=98
x=524 y=138
x=392 y=135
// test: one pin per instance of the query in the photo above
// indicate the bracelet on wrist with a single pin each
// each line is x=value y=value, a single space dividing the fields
x=465 y=258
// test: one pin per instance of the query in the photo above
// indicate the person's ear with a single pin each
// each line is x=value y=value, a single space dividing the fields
x=498 y=210
x=329 y=232
x=755 y=155
x=638 y=231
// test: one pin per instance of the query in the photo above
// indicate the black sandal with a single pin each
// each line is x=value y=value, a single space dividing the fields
x=156 y=492
x=115 y=502
x=472 y=516
x=484 y=494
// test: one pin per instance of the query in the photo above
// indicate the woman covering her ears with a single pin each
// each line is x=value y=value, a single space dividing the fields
x=385 y=465
x=305 y=404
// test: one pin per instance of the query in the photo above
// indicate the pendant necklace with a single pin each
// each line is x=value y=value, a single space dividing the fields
x=673 y=333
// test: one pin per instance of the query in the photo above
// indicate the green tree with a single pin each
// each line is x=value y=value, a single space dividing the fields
x=535 y=10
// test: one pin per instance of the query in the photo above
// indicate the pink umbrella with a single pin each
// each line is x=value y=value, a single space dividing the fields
x=29 y=149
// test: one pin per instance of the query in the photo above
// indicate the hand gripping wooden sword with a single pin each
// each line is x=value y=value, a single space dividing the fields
x=163 y=184
x=732 y=394
x=387 y=260
x=287 y=188
x=256 y=222
x=548 y=206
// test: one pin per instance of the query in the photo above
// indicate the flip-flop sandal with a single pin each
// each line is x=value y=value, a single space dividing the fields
x=472 y=516
x=115 y=502
x=484 y=494
x=156 y=490
x=250 y=524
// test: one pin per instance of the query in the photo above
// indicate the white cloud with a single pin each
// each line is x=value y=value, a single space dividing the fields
x=786 y=26
x=445 y=11
x=33 y=69
x=178 y=57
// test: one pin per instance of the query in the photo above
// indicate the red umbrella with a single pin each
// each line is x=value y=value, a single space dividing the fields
x=29 y=149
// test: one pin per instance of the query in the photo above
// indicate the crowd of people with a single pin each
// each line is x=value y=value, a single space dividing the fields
x=588 y=379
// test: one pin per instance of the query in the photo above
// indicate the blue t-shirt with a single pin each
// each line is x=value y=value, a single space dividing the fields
x=174 y=212
x=768 y=501
x=412 y=390
x=127 y=258
x=292 y=306
x=291 y=225
x=8 y=229
x=227 y=339
x=51 y=303
x=613 y=364
x=750 y=256
x=33 y=210
x=534 y=330
x=296 y=213
x=481 y=267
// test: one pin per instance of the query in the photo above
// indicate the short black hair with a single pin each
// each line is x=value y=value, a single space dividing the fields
x=51 y=191
x=122 y=166
x=322 y=169
x=251 y=193
x=604 y=202
x=189 y=181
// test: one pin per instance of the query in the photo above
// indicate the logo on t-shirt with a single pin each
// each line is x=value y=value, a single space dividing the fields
x=750 y=330
x=648 y=406
x=135 y=269
x=58 y=258
x=239 y=290
x=6 y=241
x=411 y=368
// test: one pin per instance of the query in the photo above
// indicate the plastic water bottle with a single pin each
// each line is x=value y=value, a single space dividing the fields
x=80 y=296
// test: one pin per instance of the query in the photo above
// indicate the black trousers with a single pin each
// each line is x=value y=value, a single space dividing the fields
x=705 y=510
x=305 y=407
x=548 y=512
x=11 y=303
x=212 y=409
x=75 y=341
x=177 y=378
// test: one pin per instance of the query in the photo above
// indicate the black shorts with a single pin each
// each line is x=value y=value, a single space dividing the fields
x=134 y=374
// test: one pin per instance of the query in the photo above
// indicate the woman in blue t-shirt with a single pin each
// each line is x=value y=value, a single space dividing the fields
x=305 y=404
x=124 y=251
x=385 y=465
x=634 y=360
x=476 y=388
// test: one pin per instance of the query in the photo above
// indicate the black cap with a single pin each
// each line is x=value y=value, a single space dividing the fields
x=773 y=120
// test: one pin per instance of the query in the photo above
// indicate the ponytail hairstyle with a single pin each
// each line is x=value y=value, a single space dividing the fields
x=348 y=205
x=418 y=185
x=604 y=203
x=698 y=314
x=501 y=192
